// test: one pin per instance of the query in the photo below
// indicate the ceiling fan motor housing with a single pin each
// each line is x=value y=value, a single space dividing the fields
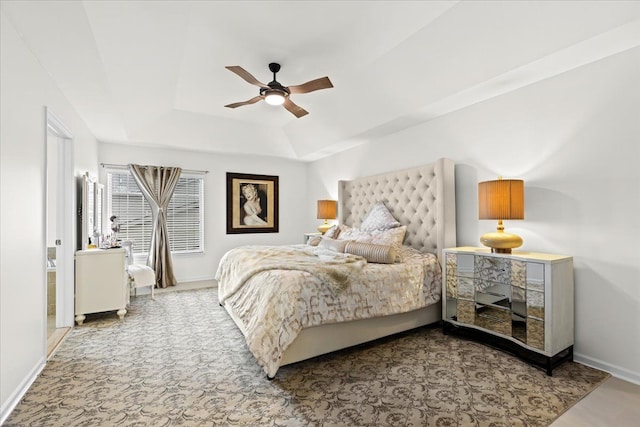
x=275 y=88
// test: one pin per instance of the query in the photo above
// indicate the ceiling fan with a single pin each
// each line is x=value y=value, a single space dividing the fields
x=276 y=94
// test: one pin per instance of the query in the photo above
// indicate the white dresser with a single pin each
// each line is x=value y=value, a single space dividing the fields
x=101 y=283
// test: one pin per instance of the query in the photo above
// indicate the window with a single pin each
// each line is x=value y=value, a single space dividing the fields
x=184 y=215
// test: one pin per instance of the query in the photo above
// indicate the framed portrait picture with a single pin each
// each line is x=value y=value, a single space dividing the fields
x=252 y=203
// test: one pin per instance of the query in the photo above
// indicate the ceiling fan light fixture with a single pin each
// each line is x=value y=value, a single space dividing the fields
x=276 y=94
x=274 y=97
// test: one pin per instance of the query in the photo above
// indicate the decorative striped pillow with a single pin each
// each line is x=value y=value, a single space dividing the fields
x=380 y=254
x=392 y=237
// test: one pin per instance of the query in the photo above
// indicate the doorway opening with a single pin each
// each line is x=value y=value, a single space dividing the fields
x=59 y=229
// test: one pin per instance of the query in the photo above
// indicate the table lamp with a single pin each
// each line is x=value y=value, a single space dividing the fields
x=501 y=199
x=326 y=210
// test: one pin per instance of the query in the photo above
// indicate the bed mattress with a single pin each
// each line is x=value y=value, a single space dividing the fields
x=274 y=305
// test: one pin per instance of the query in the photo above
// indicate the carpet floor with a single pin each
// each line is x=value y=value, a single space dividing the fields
x=181 y=361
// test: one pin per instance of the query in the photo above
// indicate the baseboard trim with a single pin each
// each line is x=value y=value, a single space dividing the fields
x=616 y=371
x=22 y=389
x=196 y=279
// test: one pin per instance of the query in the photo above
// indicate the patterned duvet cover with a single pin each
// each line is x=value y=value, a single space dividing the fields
x=274 y=305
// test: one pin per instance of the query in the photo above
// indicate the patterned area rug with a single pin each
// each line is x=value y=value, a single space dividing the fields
x=180 y=360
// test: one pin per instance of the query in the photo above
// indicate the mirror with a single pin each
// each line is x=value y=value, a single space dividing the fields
x=90 y=212
x=97 y=208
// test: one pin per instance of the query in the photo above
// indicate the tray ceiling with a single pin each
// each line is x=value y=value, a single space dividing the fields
x=152 y=72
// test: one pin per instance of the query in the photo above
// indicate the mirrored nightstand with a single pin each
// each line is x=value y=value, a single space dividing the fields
x=521 y=302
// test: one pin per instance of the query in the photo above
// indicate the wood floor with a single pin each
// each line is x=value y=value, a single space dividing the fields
x=54 y=339
x=616 y=403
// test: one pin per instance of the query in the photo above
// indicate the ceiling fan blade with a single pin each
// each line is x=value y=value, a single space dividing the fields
x=310 y=86
x=240 y=104
x=294 y=109
x=245 y=75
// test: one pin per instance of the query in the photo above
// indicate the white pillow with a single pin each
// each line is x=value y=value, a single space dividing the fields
x=392 y=237
x=378 y=218
x=333 y=244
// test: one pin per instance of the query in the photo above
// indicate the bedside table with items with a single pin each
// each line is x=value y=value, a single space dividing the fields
x=521 y=302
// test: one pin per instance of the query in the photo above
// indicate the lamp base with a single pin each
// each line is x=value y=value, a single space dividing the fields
x=500 y=250
x=501 y=242
x=324 y=227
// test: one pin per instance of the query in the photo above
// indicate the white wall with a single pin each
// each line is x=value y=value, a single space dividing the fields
x=292 y=195
x=574 y=139
x=26 y=89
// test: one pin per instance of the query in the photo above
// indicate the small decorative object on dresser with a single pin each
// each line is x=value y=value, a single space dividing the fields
x=520 y=302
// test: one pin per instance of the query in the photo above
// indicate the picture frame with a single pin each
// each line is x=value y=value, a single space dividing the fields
x=252 y=203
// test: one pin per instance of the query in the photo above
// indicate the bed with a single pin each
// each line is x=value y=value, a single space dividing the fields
x=421 y=199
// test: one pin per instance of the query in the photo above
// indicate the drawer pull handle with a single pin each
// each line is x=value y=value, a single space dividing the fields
x=490 y=317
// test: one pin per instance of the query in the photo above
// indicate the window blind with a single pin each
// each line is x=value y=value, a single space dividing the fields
x=184 y=214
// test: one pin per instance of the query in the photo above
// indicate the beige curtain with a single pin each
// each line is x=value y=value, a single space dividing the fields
x=157 y=184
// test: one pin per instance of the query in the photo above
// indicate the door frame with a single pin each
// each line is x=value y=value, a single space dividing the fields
x=65 y=221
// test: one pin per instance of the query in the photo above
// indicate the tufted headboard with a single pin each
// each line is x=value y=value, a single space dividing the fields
x=422 y=198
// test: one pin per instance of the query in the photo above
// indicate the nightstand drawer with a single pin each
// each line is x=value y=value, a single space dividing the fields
x=501 y=270
x=492 y=269
x=535 y=304
x=466 y=312
x=465 y=287
x=494 y=319
x=535 y=276
x=497 y=294
x=535 y=333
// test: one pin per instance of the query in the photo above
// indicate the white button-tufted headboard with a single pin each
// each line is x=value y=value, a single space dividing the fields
x=422 y=198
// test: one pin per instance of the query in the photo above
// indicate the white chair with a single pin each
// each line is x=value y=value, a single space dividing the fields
x=139 y=275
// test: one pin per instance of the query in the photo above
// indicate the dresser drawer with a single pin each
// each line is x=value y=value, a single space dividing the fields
x=466 y=312
x=459 y=272
x=501 y=270
x=494 y=319
x=490 y=269
x=535 y=276
x=535 y=333
x=535 y=304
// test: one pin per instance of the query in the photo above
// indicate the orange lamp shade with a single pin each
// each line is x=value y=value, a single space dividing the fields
x=501 y=199
x=327 y=209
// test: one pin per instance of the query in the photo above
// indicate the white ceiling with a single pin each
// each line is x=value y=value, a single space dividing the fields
x=152 y=72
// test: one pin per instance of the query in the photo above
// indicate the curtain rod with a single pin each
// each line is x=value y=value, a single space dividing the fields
x=113 y=166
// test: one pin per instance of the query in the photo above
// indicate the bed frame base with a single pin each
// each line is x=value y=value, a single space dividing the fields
x=322 y=339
